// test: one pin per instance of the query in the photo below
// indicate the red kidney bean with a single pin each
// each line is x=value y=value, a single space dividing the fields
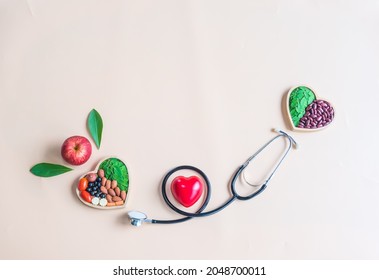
x=318 y=114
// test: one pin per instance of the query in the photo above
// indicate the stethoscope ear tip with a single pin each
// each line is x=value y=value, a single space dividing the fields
x=295 y=145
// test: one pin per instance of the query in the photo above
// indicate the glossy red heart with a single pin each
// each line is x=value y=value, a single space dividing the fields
x=187 y=191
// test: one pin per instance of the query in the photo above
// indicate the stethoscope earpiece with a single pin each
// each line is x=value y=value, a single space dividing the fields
x=293 y=142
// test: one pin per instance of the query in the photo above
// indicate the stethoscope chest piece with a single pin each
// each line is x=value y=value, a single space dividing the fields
x=137 y=218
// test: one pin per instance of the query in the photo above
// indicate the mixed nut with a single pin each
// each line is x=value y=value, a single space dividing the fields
x=98 y=190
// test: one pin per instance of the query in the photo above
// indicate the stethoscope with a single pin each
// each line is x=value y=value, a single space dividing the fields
x=137 y=218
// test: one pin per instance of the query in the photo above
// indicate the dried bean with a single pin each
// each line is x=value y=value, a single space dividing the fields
x=318 y=114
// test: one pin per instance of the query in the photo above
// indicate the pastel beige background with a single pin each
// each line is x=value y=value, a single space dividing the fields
x=190 y=82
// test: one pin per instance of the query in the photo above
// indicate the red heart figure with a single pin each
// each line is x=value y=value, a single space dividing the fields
x=187 y=191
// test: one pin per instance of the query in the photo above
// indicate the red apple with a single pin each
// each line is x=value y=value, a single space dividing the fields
x=76 y=150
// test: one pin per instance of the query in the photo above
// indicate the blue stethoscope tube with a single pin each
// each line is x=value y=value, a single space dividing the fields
x=137 y=218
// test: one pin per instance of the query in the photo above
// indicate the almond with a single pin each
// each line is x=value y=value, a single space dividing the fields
x=117 y=191
x=116 y=198
x=123 y=195
x=108 y=184
x=103 y=181
x=114 y=184
x=100 y=173
x=103 y=189
x=111 y=192
x=109 y=198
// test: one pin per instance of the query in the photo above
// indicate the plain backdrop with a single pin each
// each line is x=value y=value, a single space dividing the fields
x=190 y=82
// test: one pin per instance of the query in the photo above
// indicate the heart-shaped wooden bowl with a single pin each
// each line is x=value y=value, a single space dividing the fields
x=114 y=170
x=306 y=112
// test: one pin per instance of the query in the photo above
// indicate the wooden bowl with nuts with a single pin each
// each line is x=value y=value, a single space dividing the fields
x=106 y=187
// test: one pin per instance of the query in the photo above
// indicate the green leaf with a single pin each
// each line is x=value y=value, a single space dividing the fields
x=299 y=99
x=95 y=126
x=303 y=102
x=115 y=169
x=48 y=169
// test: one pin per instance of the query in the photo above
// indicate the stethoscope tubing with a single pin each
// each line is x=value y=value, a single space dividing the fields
x=232 y=185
